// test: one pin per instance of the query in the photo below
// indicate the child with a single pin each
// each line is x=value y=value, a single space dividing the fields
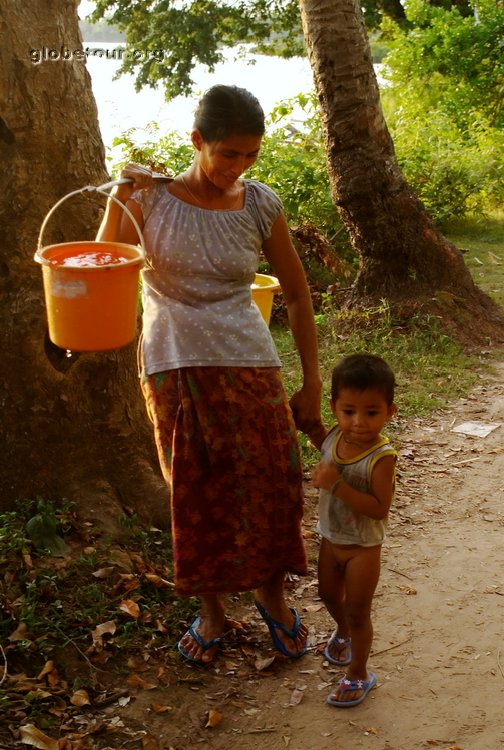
x=356 y=477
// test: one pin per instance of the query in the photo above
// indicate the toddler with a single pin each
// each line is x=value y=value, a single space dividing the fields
x=356 y=477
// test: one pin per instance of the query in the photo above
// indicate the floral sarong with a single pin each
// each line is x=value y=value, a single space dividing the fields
x=228 y=450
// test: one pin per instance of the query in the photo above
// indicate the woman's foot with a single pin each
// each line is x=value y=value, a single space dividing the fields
x=201 y=641
x=288 y=633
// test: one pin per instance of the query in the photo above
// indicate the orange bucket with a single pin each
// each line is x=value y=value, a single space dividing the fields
x=263 y=291
x=91 y=290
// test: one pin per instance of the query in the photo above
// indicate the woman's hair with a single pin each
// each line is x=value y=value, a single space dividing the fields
x=228 y=110
x=362 y=372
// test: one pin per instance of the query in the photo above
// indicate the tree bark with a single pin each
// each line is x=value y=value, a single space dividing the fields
x=404 y=258
x=75 y=426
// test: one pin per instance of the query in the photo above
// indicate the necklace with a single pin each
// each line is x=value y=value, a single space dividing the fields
x=189 y=191
x=200 y=203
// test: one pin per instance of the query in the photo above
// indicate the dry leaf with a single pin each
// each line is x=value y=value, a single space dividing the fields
x=408 y=590
x=234 y=625
x=80 y=698
x=214 y=719
x=150 y=743
x=296 y=697
x=136 y=681
x=105 y=628
x=30 y=735
x=48 y=667
x=121 y=558
x=261 y=664
x=20 y=633
x=102 y=572
x=160 y=709
x=130 y=607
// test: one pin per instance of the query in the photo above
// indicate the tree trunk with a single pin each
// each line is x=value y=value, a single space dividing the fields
x=404 y=258
x=73 y=427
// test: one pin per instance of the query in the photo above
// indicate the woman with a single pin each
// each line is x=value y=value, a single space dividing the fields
x=225 y=434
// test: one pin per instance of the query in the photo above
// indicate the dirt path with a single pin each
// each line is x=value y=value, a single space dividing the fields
x=439 y=641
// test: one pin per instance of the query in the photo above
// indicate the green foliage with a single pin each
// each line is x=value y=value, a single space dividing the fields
x=168 y=153
x=292 y=162
x=447 y=127
x=453 y=172
x=166 y=39
x=456 y=61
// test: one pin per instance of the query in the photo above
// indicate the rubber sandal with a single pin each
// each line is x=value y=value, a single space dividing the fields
x=338 y=644
x=344 y=685
x=205 y=645
x=273 y=626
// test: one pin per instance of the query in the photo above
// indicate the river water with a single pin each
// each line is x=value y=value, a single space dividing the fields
x=120 y=107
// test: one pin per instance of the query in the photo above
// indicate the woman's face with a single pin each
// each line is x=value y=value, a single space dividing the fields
x=223 y=162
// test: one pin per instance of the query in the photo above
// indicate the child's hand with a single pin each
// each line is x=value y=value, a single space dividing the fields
x=325 y=475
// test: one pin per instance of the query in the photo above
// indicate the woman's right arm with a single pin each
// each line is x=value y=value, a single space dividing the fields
x=116 y=225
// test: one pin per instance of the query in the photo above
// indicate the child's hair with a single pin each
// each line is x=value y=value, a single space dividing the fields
x=228 y=110
x=362 y=372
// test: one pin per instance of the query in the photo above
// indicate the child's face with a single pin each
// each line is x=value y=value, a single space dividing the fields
x=361 y=415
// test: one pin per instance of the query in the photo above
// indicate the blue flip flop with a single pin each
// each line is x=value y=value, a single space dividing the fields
x=344 y=685
x=339 y=644
x=205 y=645
x=273 y=626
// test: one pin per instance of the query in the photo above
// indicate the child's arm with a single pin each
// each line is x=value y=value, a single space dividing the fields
x=375 y=504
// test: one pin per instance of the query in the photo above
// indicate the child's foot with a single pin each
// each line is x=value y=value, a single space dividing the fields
x=338 y=650
x=351 y=692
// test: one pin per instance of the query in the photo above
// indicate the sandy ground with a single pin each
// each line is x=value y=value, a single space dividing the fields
x=438 y=651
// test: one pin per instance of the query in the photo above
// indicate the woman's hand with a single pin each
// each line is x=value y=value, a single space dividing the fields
x=115 y=226
x=141 y=178
x=305 y=405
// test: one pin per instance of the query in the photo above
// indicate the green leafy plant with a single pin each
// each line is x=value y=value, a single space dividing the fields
x=443 y=105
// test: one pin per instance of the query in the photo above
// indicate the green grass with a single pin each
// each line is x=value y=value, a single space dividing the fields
x=482 y=240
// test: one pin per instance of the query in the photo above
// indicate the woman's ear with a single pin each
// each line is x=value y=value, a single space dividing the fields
x=197 y=139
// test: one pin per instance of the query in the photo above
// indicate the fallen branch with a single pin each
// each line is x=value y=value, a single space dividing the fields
x=400 y=573
x=69 y=640
x=499 y=662
x=384 y=650
x=466 y=461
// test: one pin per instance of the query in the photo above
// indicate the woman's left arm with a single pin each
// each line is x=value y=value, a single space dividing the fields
x=286 y=264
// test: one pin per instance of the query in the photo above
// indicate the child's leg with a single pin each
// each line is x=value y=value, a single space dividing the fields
x=362 y=572
x=331 y=586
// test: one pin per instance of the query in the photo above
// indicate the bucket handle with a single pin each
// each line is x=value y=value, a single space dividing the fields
x=97 y=189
